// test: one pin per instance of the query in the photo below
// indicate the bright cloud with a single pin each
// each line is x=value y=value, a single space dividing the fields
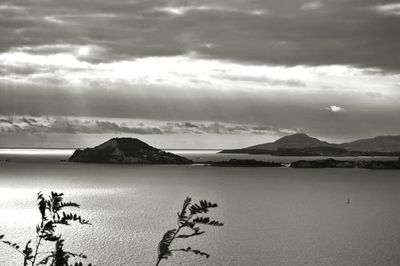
x=389 y=9
x=182 y=10
x=334 y=109
x=311 y=5
x=190 y=71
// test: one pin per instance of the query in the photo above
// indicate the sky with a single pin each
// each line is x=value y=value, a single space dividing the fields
x=197 y=74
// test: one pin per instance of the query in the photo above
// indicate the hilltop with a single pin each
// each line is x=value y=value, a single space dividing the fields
x=128 y=151
x=296 y=141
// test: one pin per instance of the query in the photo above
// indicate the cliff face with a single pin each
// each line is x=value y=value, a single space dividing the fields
x=127 y=151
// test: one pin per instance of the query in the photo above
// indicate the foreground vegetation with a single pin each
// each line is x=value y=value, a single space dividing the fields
x=52 y=213
x=189 y=219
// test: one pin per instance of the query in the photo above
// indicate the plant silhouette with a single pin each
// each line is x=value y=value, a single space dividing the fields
x=52 y=215
x=189 y=220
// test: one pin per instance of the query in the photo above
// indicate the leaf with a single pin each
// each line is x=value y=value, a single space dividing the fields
x=206 y=204
x=48 y=228
x=191 y=235
x=163 y=246
x=207 y=221
x=28 y=250
x=13 y=245
x=80 y=255
x=195 y=251
x=56 y=200
x=60 y=257
x=182 y=215
x=69 y=204
x=202 y=207
x=42 y=205
x=52 y=238
x=66 y=217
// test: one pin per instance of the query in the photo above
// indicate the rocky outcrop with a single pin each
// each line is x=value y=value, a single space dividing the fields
x=328 y=163
x=332 y=163
x=126 y=151
x=245 y=163
x=379 y=164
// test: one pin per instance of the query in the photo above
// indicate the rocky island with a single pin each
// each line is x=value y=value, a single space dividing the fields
x=245 y=163
x=126 y=151
x=332 y=163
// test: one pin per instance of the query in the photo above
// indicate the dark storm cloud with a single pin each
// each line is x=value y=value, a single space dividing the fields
x=291 y=32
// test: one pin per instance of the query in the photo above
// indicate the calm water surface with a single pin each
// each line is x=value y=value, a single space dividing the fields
x=273 y=216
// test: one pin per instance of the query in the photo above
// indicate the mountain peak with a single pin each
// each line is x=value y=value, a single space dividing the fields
x=295 y=136
x=295 y=141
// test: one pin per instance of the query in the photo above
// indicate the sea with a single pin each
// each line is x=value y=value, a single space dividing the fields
x=271 y=216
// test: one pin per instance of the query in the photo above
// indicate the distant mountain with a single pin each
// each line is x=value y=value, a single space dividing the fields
x=377 y=144
x=296 y=141
x=304 y=145
x=128 y=151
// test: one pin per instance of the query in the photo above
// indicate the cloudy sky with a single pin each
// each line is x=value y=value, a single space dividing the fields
x=197 y=73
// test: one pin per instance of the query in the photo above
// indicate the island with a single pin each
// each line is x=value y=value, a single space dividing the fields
x=332 y=163
x=244 y=163
x=126 y=151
